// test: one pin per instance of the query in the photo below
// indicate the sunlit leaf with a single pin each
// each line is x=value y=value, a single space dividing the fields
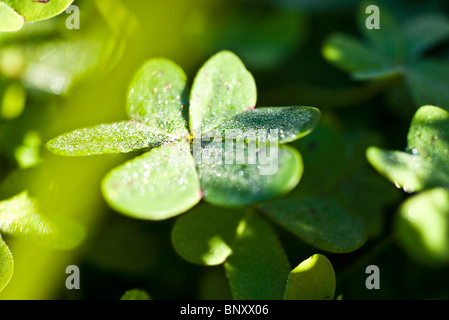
x=156 y=185
x=289 y=123
x=236 y=174
x=312 y=279
x=38 y=10
x=6 y=264
x=257 y=268
x=157 y=96
x=422 y=226
x=424 y=165
x=222 y=89
x=206 y=234
x=135 y=294
x=405 y=170
x=119 y=137
x=320 y=221
x=20 y=216
x=9 y=19
x=428 y=137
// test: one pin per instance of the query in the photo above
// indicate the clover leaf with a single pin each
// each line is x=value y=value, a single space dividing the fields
x=312 y=279
x=14 y=13
x=397 y=49
x=421 y=222
x=21 y=217
x=319 y=221
x=185 y=162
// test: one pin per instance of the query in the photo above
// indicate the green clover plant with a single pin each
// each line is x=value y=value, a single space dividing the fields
x=254 y=260
x=21 y=217
x=396 y=50
x=421 y=225
x=14 y=13
x=184 y=164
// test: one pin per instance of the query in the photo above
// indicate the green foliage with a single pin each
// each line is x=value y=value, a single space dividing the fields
x=20 y=217
x=222 y=98
x=398 y=50
x=424 y=164
x=242 y=231
x=422 y=220
x=222 y=90
x=312 y=279
x=14 y=13
x=206 y=235
x=325 y=210
x=254 y=261
x=421 y=226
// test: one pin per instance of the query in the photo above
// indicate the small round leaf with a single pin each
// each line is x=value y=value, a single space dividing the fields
x=312 y=279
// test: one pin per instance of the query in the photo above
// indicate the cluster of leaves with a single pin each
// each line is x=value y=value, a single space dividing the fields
x=422 y=220
x=41 y=64
x=28 y=70
x=339 y=203
x=254 y=261
x=231 y=213
x=164 y=182
x=396 y=51
x=21 y=216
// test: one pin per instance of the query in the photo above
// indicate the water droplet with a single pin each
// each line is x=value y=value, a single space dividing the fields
x=408 y=188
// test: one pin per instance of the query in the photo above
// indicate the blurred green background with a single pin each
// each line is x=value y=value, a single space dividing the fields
x=54 y=80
